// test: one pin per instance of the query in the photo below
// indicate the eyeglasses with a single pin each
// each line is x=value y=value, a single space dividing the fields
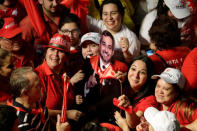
x=73 y=32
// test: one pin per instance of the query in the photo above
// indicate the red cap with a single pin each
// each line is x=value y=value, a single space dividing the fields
x=10 y=28
x=60 y=42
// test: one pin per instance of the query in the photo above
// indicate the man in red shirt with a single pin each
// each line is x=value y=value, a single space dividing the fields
x=50 y=11
x=165 y=35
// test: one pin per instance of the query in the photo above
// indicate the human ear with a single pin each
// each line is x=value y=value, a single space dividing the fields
x=24 y=92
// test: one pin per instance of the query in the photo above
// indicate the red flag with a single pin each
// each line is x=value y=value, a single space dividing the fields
x=106 y=74
x=36 y=18
x=64 y=105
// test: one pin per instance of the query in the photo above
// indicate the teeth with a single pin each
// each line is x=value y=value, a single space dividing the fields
x=110 y=23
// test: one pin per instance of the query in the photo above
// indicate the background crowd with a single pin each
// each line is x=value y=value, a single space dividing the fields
x=107 y=65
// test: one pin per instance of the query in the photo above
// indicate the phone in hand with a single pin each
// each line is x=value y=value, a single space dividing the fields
x=128 y=109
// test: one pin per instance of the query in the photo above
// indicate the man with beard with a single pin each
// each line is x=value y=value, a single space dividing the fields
x=104 y=83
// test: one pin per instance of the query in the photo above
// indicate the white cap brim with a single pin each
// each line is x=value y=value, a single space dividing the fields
x=149 y=115
x=180 y=13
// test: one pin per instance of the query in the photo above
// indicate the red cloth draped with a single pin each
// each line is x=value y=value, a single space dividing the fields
x=78 y=7
x=36 y=18
x=106 y=74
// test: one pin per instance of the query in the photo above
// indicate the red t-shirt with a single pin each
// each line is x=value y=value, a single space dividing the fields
x=144 y=103
x=189 y=70
x=52 y=89
x=174 y=57
x=180 y=115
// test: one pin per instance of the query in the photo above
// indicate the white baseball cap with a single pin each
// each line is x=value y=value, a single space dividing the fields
x=91 y=36
x=161 y=120
x=172 y=76
x=179 y=8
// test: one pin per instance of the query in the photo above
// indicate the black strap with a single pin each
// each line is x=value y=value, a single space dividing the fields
x=162 y=60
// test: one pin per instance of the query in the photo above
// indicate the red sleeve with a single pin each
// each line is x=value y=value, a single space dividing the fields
x=146 y=102
x=189 y=69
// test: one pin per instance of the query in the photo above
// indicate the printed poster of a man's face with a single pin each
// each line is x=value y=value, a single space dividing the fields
x=106 y=47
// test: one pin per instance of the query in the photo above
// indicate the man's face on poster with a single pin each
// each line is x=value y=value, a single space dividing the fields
x=106 y=49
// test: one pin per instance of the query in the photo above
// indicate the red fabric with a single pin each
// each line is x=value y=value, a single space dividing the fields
x=35 y=111
x=111 y=127
x=24 y=60
x=144 y=103
x=108 y=73
x=189 y=70
x=78 y=7
x=64 y=106
x=180 y=116
x=36 y=19
x=4 y=96
x=52 y=89
x=30 y=34
x=116 y=65
x=174 y=57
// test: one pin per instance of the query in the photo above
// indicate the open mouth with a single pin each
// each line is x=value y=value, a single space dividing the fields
x=110 y=23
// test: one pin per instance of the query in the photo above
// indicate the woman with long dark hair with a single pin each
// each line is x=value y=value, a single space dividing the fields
x=138 y=91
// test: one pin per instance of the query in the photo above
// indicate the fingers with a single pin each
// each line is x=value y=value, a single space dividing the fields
x=117 y=115
x=120 y=75
x=124 y=101
x=78 y=115
x=124 y=43
x=79 y=99
x=58 y=119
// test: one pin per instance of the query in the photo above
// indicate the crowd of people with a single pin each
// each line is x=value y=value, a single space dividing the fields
x=106 y=65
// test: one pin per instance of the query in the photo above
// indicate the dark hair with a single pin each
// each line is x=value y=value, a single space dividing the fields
x=107 y=33
x=116 y=2
x=19 y=80
x=162 y=9
x=7 y=117
x=165 y=32
x=148 y=88
x=92 y=126
x=69 y=18
x=2 y=1
x=3 y=55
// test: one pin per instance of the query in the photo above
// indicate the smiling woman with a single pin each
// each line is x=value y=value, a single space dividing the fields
x=169 y=93
x=138 y=91
x=126 y=43
x=51 y=75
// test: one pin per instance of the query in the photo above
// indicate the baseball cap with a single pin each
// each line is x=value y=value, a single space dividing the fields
x=161 y=120
x=179 y=8
x=172 y=76
x=91 y=36
x=59 y=42
x=10 y=28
